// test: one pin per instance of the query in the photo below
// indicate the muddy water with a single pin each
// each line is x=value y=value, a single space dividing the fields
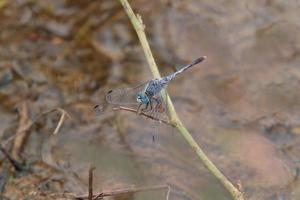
x=241 y=105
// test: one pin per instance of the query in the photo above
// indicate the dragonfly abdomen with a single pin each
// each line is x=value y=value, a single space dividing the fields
x=156 y=85
x=168 y=78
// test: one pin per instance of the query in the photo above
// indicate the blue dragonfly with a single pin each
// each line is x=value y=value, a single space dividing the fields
x=146 y=98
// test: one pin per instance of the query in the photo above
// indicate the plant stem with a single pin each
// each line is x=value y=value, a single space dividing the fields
x=139 y=28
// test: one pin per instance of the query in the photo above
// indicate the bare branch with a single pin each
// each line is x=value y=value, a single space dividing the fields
x=131 y=189
x=61 y=120
x=143 y=114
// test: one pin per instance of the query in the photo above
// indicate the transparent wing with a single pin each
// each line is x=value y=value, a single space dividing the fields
x=160 y=113
x=160 y=107
x=124 y=96
x=120 y=97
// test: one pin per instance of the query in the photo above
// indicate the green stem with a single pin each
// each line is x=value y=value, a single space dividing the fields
x=139 y=28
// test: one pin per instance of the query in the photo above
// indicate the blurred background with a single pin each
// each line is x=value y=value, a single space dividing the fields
x=241 y=105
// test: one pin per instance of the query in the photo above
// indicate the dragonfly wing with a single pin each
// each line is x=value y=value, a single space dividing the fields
x=159 y=107
x=124 y=96
x=159 y=113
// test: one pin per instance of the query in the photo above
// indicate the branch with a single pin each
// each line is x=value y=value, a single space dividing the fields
x=143 y=114
x=61 y=120
x=132 y=189
x=22 y=134
x=139 y=28
x=91 y=182
x=13 y=162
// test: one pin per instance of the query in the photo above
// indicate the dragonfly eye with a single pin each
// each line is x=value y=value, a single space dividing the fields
x=142 y=98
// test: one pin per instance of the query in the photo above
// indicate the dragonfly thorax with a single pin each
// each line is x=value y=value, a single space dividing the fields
x=141 y=97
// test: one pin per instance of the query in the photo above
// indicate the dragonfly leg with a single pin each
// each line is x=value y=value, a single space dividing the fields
x=147 y=108
x=138 y=109
x=158 y=103
x=150 y=103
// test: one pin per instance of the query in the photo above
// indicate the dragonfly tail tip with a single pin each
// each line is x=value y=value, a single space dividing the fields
x=200 y=59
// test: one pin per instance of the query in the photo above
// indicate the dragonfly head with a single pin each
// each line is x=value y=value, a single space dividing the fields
x=141 y=97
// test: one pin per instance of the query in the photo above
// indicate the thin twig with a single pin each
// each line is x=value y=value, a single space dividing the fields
x=61 y=120
x=22 y=133
x=139 y=28
x=12 y=161
x=168 y=192
x=143 y=114
x=118 y=192
x=91 y=182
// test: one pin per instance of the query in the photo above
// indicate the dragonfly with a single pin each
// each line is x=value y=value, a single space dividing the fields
x=146 y=98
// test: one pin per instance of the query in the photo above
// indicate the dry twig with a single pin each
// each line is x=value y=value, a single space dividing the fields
x=22 y=131
x=91 y=182
x=12 y=161
x=143 y=114
x=61 y=120
x=118 y=192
